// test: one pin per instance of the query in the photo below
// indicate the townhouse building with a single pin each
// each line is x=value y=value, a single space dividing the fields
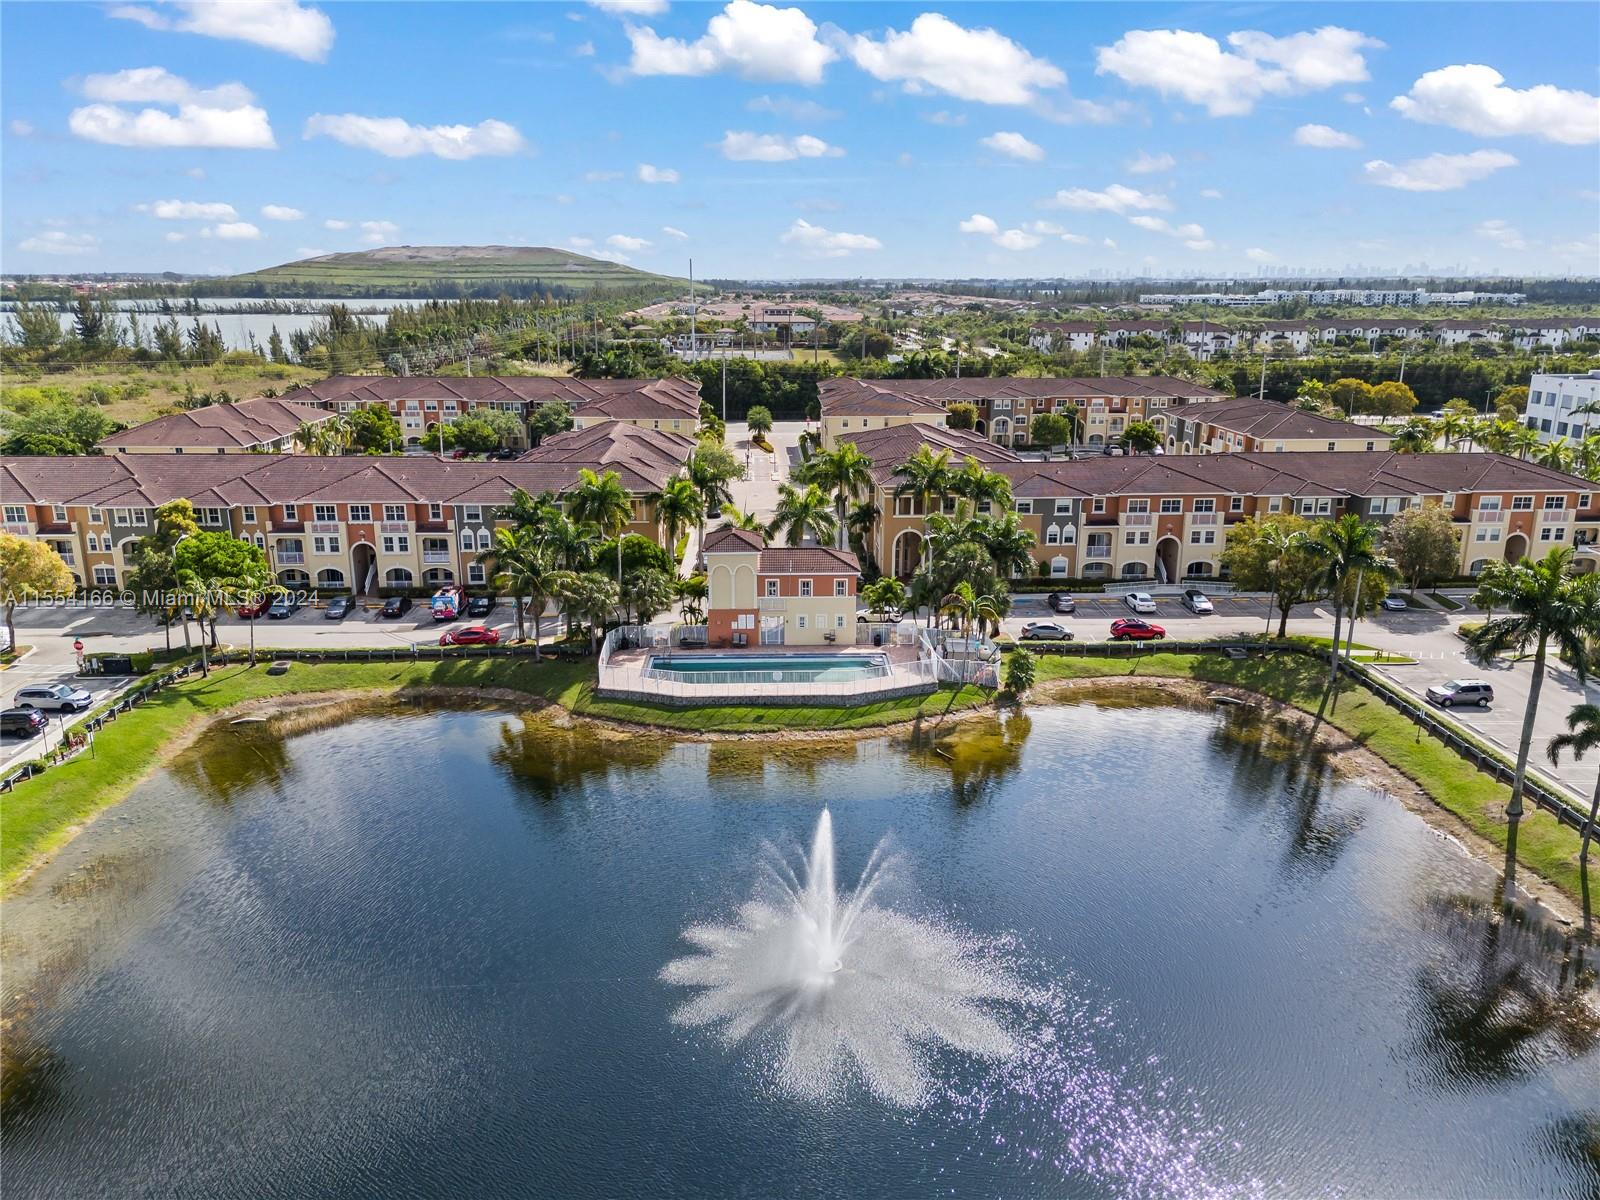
x=259 y=426
x=777 y=595
x=1103 y=406
x=1555 y=403
x=1246 y=423
x=417 y=401
x=1166 y=518
x=348 y=522
x=1205 y=340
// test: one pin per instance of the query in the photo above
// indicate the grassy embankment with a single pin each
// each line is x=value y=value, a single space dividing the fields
x=1543 y=845
x=36 y=817
x=134 y=394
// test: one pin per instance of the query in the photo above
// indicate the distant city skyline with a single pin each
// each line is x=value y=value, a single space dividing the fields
x=805 y=141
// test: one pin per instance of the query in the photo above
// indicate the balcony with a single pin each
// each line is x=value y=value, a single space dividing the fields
x=1200 y=518
x=394 y=527
x=324 y=527
x=1556 y=516
x=21 y=528
x=1097 y=552
x=1491 y=516
x=428 y=525
x=56 y=527
x=435 y=556
x=287 y=527
x=1136 y=519
x=290 y=558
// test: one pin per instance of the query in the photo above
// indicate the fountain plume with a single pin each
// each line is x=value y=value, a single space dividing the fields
x=833 y=987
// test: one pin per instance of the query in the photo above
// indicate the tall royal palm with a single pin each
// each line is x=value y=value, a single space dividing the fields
x=711 y=482
x=678 y=507
x=1009 y=543
x=1543 y=603
x=523 y=568
x=602 y=501
x=803 y=511
x=981 y=486
x=1582 y=736
x=844 y=472
x=926 y=477
x=1346 y=548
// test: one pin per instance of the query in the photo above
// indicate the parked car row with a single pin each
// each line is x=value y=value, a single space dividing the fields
x=445 y=605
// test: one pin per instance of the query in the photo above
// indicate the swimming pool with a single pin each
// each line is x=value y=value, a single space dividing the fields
x=768 y=668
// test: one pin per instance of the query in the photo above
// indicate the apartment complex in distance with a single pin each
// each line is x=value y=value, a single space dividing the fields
x=1165 y=518
x=1104 y=405
x=1249 y=424
x=1554 y=402
x=353 y=522
x=259 y=426
x=670 y=404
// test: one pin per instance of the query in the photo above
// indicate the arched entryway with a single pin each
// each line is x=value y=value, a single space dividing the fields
x=908 y=549
x=1002 y=430
x=363 y=567
x=1516 y=547
x=1167 y=550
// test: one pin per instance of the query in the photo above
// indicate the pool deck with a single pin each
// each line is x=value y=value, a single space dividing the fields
x=626 y=676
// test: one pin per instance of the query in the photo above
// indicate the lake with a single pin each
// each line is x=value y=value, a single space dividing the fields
x=402 y=951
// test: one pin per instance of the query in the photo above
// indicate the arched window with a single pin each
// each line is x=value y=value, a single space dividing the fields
x=397 y=577
x=1052 y=536
x=294 y=579
x=1135 y=570
x=1478 y=564
x=485 y=538
x=1095 y=570
x=328 y=577
x=1197 y=570
x=434 y=576
x=1058 y=566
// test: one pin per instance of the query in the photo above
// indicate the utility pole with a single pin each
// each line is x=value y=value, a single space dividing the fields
x=724 y=388
x=1262 y=394
x=692 y=309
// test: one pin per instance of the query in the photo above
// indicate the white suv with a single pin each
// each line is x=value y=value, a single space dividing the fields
x=1140 y=602
x=62 y=697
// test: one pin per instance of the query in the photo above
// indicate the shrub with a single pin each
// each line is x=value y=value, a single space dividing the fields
x=1021 y=669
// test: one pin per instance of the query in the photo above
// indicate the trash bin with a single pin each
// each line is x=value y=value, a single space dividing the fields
x=115 y=664
x=877 y=638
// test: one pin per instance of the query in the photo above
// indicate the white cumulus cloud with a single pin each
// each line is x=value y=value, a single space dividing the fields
x=1474 y=98
x=189 y=210
x=173 y=235
x=673 y=231
x=1257 y=255
x=1438 y=172
x=1017 y=239
x=335 y=224
x=376 y=233
x=157 y=85
x=978 y=223
x=281 y=212
x=1014 y=145
x=631 y=8
x=233 y=231
x=1150 y=164
x=755 y=41
x=1228 y=83
x=282 y=25
x=1118 y=198
x=222 y=117
x=818 y=242
x=792 y=109
x=936 y=54
x=774 y=147
x=396 y=137
x=56 y=241
x=1325 y=137
x=653 y=174
x=622 y=241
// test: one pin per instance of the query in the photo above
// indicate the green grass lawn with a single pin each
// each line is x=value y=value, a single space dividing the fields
x=35 y=817
x=1543 y=845
x=10 y=656
x=1448 y=603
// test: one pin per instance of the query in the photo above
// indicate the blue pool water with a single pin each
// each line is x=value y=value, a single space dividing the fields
x=777 y=668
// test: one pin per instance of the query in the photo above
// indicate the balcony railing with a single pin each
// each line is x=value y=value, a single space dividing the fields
x=324 y=527
x=1489 y=515
x=772 y=603
x=290 y=557
x=288 y=527
x=1097 y=552
x=1136 y=518
x=23 y=528
x=1199 y=518
x=436 y=556
x=1556 y=516
x=394 y=527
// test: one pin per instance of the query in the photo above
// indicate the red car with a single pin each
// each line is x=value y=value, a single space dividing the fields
x=251 y=609
x=1132 y=629
x=470 y=635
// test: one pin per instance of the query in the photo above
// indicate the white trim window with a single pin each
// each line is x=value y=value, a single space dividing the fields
x=361 y=512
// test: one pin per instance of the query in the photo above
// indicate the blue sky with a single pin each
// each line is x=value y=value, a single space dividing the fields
x=820 y=140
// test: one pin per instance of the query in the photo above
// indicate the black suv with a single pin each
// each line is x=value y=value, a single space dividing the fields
x=22 y=722
x=395 y=606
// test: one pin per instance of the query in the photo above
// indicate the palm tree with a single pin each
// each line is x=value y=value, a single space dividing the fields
x=965 y=603
x=678 y=506
x=523 y=568
x=1586 y=457
x=1543 y=603
x=803 y=512
x=1456 y=427
x=884 y=596
x=847 y=473
x=602 y=501
x=712 y=484
x=1582 y=736
x=1347 y=548
x=1009 y=543
x=732 y=518
x=306 y=437
x=692 y=594
x=1278 y=542
x=981 y=486
x=592 y=597
x=860 y=522
x=1524 y=442
x=1416 y=436
x=1556 y=455
x=925 y=476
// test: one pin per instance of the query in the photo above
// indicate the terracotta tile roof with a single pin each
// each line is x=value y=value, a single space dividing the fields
x=1270 y=419
x=888 y=448
x=795 y=560
x=530 y=390
x=643 y=459
x=733 y=541
x=230 y=426
x=978 y=390
x=853 y=398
